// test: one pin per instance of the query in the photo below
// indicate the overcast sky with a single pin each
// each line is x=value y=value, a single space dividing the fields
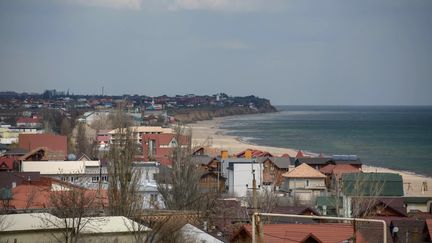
x=343 y=52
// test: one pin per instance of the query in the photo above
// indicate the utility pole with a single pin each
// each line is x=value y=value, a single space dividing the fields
x=257 y=231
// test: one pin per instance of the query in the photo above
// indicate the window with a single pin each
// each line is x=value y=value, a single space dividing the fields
x=95 y=179
x=104 y=178
x=307 y=182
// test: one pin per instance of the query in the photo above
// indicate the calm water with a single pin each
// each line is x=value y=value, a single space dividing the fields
x=392 y=137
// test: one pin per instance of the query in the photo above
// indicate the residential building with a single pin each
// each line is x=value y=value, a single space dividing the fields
x=369 y=185
x=53 y=143
x=159 y=147
x=45 y=227
x=273 y=168
x=418 y=204
x=304 y=183
x=240 y=173
x=303 y=233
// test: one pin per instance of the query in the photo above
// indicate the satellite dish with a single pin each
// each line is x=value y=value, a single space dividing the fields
x=395 y=230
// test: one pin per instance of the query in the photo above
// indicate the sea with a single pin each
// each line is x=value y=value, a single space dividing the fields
x=396 y=137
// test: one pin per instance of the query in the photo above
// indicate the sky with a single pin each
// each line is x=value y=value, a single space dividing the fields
x=293 y=52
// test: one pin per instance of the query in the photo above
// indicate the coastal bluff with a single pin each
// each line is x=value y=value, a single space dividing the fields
x=190 y=115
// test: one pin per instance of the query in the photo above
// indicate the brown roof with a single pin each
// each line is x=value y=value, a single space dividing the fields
x=338 y=169
x=42 y=153
x=303 y=171
x=54 y=143
x=290 y=233
x=429 y=226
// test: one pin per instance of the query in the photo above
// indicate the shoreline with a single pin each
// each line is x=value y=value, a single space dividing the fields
x=209 y=133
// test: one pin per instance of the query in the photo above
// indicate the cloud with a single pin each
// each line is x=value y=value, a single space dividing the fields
x=118 y=4
x=226 y=5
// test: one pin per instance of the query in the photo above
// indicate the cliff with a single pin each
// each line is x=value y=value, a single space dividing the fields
x=207 y=113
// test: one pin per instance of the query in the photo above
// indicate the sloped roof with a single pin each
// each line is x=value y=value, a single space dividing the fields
x=313 y=160
x=372 y=184
x=338 y=169
x=54 y=143
x=303 y=171
x=290 y=233
x=30 y=221
x=429 y=226
x=191 y=232
x=394 y=203
x=255 y=153
x=281 y=162
x=201 y=159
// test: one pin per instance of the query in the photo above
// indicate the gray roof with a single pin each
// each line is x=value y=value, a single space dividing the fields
x=16 y=151
x=201 y=159
x=313 y=160
x=281 y=162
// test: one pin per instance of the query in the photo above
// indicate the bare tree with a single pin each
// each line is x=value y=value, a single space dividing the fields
x=74 y=206
x=182 y=191
x=124 y=196
x=266 y=200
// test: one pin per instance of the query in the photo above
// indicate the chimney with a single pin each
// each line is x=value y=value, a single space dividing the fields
x=248 y=154
x=224 y=154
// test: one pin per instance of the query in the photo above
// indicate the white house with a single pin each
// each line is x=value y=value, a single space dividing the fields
x=240 y=175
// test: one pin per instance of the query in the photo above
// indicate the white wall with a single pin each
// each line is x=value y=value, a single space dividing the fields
x=57 y=167
x=242 y=175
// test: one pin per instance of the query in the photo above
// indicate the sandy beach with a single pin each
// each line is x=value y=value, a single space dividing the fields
x=209 y=133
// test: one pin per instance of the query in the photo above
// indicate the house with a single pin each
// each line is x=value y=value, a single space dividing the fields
x=320 y=162
x=53 y=143
x=212 y=181
x=378 y=207
x=240 y=173
x=36 y=195
x=159 y=147
x=304 y=183
x=303 y=233
x=45 y=227
x=30 y=122
x=148 y=188
x=273 y=168
x=334 y=173
x=408 y=230
x=415 y=204
x=139 y=131
x=370 y=185
x=79 y=172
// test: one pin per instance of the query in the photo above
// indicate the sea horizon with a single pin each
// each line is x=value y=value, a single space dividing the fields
x=394 y=137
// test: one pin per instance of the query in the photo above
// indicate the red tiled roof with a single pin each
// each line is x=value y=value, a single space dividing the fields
x=299 y=154
x=38 y=194
x=338 y=169
x=7 y=162
x=54 y=143
x=255 y=153
x=28 y=120
x=290 y=233
x=165 y=138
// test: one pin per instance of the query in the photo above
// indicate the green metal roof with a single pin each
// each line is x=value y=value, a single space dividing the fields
x=372 y=184
x=419 y=200
x=329 y=201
